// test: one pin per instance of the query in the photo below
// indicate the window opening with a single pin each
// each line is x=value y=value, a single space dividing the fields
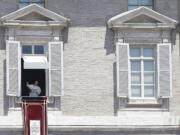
x=142 y=63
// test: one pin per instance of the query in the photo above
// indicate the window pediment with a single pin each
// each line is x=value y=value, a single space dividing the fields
x=141 y=17
x=34 y=15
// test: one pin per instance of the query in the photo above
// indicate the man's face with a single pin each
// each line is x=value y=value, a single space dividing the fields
x=36 y=83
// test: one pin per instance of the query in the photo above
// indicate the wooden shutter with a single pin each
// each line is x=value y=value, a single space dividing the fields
x=164 y=70
x=122 y=55
x=56 y=69
x=13 y=68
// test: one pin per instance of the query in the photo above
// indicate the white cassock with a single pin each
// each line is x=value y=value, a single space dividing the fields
x=35 y=90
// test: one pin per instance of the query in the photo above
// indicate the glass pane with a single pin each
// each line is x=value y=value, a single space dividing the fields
x=135 y=78
x=146 y=2
x=27 y=49
x=21 y=5
x=41 y=4
x=36 y=0
x=38 y=49
x=135 y=52
x=149 y=78
x=23 y=0
x=136 y=91
x=149 y=7
x=135 y=66
x=132 y=7
x=132 y=2
x=148 y=52
x=149 y=91
x=148 y=65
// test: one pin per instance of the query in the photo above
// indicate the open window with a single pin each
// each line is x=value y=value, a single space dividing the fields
x=34 y=67
x=34 y=50
x=27 y=64
x=30 y=76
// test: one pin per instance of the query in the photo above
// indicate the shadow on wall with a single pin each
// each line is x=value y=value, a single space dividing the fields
x=2 y=39
x=64 y=33
x=116 y=99
x=110 y=47
x=173 y=37
x=109 y=44
x=6 y=99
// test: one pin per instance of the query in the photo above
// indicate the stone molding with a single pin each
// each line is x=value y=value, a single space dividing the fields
x=159 y=20
x=15 y=18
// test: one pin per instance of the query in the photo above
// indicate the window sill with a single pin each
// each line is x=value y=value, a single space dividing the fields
x=144 y=102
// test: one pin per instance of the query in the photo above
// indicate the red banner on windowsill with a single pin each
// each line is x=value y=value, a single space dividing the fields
x=35 y=115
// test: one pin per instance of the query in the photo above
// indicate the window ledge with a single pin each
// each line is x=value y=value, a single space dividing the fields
x=142 y=102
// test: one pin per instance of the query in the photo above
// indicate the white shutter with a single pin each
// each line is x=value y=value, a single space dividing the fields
x=164 y=70
x=13 y=68
x=56 y=87
x=122 y=55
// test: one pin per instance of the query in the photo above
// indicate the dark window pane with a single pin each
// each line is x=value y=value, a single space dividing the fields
x=146 y=2
x=27 y=49
x=132 y=7
x=23 y=0
x=37 y=1
x=148 y=65
x=40 y=4
x=132 y=2
x=38 y=49
x=149 y=7
x=21 y=5
x=135 y=52
x=135 y=65
x=148 y=52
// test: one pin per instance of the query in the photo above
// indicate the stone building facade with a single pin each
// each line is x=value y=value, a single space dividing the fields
x=90 y=47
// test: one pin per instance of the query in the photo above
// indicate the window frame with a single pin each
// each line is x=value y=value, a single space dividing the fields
x=33 y=50
x=142 y=72
x=139 y=4
x=30 y=2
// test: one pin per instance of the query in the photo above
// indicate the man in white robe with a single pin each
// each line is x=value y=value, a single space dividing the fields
x=35 y=90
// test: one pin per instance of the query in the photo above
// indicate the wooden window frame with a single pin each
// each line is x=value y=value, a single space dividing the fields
x=142 y=59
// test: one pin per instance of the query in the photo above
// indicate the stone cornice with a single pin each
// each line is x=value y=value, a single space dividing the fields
x=14 y=18
x=160 y=21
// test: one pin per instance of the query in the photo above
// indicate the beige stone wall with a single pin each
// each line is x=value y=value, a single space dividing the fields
x=175 y=100
x=88 y=72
